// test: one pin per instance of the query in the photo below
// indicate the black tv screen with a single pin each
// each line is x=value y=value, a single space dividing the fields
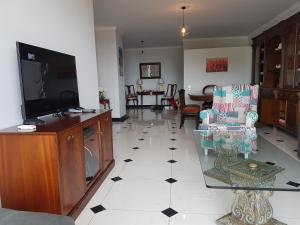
x=48 y=81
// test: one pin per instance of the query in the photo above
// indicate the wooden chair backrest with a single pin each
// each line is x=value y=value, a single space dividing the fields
x=171 y=90
x=208 y=89
x=129 y=90
x=181 y=94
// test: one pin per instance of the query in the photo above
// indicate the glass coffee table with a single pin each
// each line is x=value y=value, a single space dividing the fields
x=252 y=167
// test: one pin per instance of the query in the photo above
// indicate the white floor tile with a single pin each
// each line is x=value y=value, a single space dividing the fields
x=193 y=219
x=138 y=195
x=187 y=171
x=101 y=193
x=192 y=196
x=147 y=171
x=118 y=217
x=85 y=217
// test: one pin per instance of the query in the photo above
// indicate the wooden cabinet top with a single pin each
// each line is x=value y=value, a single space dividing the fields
x=54 y=124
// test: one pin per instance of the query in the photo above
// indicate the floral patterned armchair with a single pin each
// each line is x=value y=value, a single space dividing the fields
x=241 y=142
x=234 y=108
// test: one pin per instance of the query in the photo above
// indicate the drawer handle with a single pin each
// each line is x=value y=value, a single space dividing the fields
x=101 y=132
x=106 y=118
x=70 y=138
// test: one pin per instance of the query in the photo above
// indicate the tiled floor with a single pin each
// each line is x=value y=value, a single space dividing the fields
x=157 y=179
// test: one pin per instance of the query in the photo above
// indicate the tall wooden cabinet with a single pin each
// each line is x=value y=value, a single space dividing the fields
x=57 y=168
x=277 y=69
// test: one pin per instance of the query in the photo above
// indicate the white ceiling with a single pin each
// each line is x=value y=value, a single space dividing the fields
x=156 y=21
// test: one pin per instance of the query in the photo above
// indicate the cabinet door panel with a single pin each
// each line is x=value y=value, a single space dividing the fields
x=289 y=57
x=72 y=167
x=106 y=139
x=297 y=66
x=267 y=111
x=93 y=161
x=291 y=120
x=29 y=173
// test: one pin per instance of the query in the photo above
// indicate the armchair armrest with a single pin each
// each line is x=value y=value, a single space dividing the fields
x=208 y=116
x=251 y=118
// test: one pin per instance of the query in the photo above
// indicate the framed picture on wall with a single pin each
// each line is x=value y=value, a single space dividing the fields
x=216 y=65
x=120 y=59
x=150 y=70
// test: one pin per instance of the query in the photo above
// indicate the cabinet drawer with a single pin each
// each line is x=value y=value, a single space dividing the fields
x=293 y=97
x=282 y=95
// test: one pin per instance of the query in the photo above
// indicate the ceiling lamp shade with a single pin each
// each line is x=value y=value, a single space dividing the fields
x=183 y=30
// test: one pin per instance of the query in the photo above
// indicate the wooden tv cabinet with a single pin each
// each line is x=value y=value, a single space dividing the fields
x=44 y=171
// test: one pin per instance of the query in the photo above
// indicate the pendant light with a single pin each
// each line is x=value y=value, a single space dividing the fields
x=183 y=30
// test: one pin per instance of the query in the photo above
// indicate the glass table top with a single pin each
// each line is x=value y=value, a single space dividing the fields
x=239 y=160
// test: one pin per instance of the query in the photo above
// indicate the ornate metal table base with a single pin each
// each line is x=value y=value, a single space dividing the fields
x=250 y=208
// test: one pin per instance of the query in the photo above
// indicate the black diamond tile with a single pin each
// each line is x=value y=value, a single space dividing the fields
x=173 y=132
x=279 y=140
x=127 y=160
x=115 y=179
x=267 y=133
x=171 y=180
x=129 y=123
x=148 y=127
x=295 y=150
x=145 y=132
x=97 y=209
x=172 y=139
x=172 y=161
x=294 y=184
x=141 y=139
x=172 y=148
x=169 y=212
x=135 y=148
x=124 y=127
x=270 y=163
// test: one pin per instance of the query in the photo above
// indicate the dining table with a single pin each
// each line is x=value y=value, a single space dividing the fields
x=199 y=97
x=151 y=93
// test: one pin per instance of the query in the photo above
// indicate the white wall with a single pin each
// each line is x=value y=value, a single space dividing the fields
x=122 y=100
x=216 y=42
x=195 y=76
x=107 y=42
x=171 y=59
x=61 y=25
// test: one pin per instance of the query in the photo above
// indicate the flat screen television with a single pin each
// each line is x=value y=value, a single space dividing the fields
x=48 y=81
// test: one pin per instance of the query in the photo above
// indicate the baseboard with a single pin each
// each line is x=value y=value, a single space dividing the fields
x=122 y=119
x=139 y=106
x=143 y=106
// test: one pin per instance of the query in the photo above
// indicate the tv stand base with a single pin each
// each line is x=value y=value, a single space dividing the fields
x=34 y=121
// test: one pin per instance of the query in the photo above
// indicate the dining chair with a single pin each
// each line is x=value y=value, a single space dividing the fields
x=131 y=95
x=208 y=90
x=169 y=95
x=191 y=110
